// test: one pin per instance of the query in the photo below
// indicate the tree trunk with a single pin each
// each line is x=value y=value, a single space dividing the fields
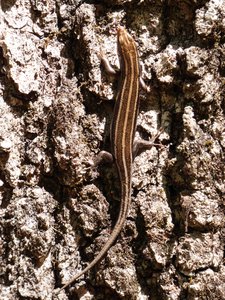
x=57 y=211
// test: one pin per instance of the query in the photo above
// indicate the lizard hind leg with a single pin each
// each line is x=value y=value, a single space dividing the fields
x=140 y=144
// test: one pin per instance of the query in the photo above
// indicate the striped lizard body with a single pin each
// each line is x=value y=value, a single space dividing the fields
x=122 y=133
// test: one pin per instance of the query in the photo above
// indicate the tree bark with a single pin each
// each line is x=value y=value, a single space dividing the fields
x=56 y=211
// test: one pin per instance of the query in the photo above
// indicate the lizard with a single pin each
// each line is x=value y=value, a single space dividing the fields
x=122 y=133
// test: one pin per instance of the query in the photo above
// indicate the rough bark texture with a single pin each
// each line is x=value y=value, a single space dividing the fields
x=57 y=212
